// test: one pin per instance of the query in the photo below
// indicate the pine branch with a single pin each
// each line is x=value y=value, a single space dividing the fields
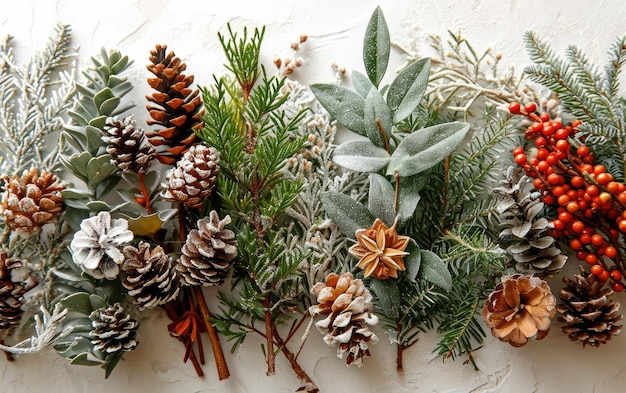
x=613 y=69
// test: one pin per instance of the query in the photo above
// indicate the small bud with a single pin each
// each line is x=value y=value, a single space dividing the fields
x=295 y=45
x=303 y=38
x=298 y=62
x=278 y=61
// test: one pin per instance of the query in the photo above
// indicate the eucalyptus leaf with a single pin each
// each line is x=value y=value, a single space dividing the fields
x=102 y=96
x=434 y=270
x=74 y=193
x=388 y=295
x=77 y=302
x=424 y=148
x=98 y=169
x=98 y=206
x=380 y=199
x=413 y=260
x=377 y=111
x=407 y=89
x=361 y=83
x=409 y=196
x=343 y=104
x=361 y=156
x=348 y=214
x=98 y=122
x=94 y=139
x=97 y=302
x=112 y=362
x=108 y=106
x=376 y=47
x=79 y=163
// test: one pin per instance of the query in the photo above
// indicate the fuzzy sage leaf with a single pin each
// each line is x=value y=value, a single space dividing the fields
x=424 y=148
x=434 y=270
x=376 y=47
x=407 y=89
x=380 y=199
x=343 y=104
x=378 y=118
x=348 y=214
x=388 y=295
x=361 y=83
x=361 y=156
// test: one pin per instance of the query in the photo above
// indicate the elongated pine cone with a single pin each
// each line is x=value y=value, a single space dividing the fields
x=348 y=307
x=587 y=310
x=150 y=278
x=176 y=107
x=127 y=145
x=11 y=295
x=519 y=309
x=208 y=252
x=113 y=329
x=31 y=201
x=193 y=178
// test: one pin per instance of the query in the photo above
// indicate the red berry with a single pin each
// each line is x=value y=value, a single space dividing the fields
x=515 y=108
x=520 y=159
x=541 y=142
x=591 y=259
x=554 y=179
x=596 y=270
x=576 y=123
x=577 y=226
x=575 y=244
x=558 y=224
x=610 y=252
x=597 y=240
x=603 y=276
x=617 y=287
x=517 y=150
x=561 y=133
x=530 y=107
x=582 y=151
x=562 y=145
x=577 y=181
x=544 y=117
x=616 y=275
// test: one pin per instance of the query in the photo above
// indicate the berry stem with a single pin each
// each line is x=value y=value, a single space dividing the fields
x=145 y=193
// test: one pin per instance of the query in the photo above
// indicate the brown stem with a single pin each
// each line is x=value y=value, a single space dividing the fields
x=145 y=193
x=269 y=329
x=399 y=366
x=294 y=362
x=196 y=364
x=383 y=134
x=397 y=194
x=7 y=354
x=218 y=353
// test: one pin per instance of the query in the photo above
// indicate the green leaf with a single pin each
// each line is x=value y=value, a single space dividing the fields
x=343 y=104
x=98 y=206
x=108 y=106
x=98 y=169
x=388 y=295
x=407 y=89
x=102 y=96
x=376 y=47
x=73 y=193
x=78 y=164
x=361 y=156
x=413 y=260
x=85 y=359
x=361 y=83
x=424 y=148
x=348 y=214
x=376 y=109
x=77 y=302
x=112 y=362
x=94 y=139
x=409 y=197
x=145 y=225
x=434 y=270
x=380 y=199
x=97 y=302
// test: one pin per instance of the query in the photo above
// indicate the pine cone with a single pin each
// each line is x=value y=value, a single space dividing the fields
x=11 y=295
x=348 y=305
x=113 y=329
x=523 y=234
x=127 y=145
x=589 y=314
x=31 y=201
x=520 y=308
x=208 y=252
x=380 y=250
x=177 y=108
x=96 y=248
x=150 y=277
x=192 y=181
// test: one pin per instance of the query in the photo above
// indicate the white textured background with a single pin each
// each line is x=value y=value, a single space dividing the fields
x=335 y=29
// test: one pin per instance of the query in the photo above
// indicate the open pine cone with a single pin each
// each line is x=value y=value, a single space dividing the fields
x=11 y=295
x=589 y=313
x=30 y=201
x=176 y=107
x=519 y=309
x=113 y=329
x=348 y=305
x=127 y=145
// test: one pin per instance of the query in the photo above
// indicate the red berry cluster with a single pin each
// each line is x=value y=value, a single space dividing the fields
x=590 y=204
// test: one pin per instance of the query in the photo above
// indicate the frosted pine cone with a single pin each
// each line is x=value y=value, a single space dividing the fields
x=348 y=305
x=175 y=105
x=589 y=313
x=96 y=248
x=519 y=309
x=208 y=252
x=113 y=329
x=127 y=145
x=192 y=181
x=11 y=295
x=31 y=201
x=150 y=277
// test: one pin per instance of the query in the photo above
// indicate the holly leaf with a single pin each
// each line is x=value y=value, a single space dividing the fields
x=146 y=224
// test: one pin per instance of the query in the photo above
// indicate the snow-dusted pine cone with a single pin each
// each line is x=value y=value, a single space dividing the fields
x=127 y=145
x=30 y=201
x=519 y=309
x=193 y=178
x=175 y=106
x=11 y=295
x=589 y=313
x=208 y=252
x=150 y=278
x=348 y=306
x=97 y=247
x=524 y=235
x=113 y=329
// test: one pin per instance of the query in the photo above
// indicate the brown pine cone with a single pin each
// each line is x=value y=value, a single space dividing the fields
x=208 y=252
x=127 y=145
x=587 y=310
x=176 y=106
x=348 y=305
x=31 y=201
x=519 y=309
x=150 y=278
x=193 y=178
x=11 y=295
x=113 y=329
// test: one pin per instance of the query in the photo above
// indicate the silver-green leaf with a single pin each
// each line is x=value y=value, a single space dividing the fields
x=361 y=156
x=343 y=104
x=377 y=112
x=376 y=47
x=434 y=270
x=380 y=199
x=407 y=89
x=348 y=214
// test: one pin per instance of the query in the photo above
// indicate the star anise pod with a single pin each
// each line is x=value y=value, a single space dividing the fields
x=380 y=250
